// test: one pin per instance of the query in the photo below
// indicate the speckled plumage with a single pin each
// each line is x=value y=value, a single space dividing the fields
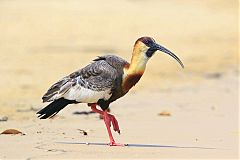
x=103 y=74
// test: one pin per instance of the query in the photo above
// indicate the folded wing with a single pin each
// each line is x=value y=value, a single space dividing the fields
x=88 y=85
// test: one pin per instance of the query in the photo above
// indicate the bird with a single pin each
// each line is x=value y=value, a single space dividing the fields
x=103 y=81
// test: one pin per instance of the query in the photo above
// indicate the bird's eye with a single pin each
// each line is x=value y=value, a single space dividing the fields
x=147 y=42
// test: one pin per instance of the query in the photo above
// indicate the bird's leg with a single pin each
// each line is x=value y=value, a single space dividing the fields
x=113 y=120
x=107 y=119
x=94 y=109
x=115 y=123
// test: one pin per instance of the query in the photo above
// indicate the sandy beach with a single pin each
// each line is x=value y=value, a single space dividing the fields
x=172 y=113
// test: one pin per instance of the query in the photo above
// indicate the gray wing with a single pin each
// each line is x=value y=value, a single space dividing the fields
x=92 y=80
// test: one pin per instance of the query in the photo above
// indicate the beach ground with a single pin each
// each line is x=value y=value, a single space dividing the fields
x=171 y=113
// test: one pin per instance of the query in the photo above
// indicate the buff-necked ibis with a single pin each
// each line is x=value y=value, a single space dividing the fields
x=103 y=81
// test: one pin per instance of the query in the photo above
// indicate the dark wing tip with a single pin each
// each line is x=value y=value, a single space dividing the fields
x=46 y=98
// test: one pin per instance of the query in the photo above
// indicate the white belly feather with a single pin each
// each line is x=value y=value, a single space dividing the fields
x=84 y=95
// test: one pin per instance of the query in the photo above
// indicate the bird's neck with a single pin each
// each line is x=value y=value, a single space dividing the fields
x=135 y=70
x=138 y=61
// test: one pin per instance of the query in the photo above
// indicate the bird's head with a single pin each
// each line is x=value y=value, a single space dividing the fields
x=145 y=47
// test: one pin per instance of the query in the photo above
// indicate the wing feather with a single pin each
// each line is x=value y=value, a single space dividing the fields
x=98 y=76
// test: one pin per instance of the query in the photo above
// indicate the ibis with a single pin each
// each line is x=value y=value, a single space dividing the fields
x=102 y=82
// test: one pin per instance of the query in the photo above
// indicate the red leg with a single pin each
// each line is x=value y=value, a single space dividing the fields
x=115 y=123
x=108 y=119
x=94 y=109
x=113 y=120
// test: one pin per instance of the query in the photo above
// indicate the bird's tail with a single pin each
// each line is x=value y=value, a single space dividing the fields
x=53 y=108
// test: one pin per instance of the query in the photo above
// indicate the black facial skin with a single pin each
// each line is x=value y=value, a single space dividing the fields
x=151 y=44
x=150 y=52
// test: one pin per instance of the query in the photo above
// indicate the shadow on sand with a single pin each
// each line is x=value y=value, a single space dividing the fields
x=137 y=145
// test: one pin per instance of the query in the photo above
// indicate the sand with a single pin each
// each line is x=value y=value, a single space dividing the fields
x=42 y=41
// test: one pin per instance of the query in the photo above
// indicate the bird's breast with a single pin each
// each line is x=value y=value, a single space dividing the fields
x=130 y=80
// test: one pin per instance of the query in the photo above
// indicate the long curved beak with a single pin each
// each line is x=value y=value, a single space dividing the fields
x=165 y=50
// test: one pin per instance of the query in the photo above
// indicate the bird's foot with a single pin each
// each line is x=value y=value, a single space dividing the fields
x=112 y=143
x=114 y=123
x=109 y=118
